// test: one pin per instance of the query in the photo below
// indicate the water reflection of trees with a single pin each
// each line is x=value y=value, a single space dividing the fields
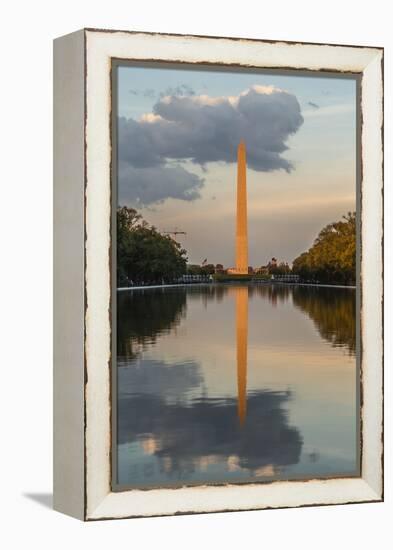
x=144 y=314
x=333 y=311
x=273 y=293
x=207 y=293
x=185 y=437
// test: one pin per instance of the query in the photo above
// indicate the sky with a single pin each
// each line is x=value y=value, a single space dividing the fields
x=178 y=131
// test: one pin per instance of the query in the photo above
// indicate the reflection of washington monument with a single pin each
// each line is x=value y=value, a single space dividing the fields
x=241 y=292
x=241 y=350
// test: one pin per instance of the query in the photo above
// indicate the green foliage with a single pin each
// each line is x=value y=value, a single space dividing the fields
x=261 y=276
x=143 y=254
x=281 y=269
x=194 y=269
x=208 y=269
x=332 y=258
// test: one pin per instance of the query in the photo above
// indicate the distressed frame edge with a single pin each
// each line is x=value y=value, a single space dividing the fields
x=372 y=269
x=357 y=492
x=235 y=38
x=375 y=492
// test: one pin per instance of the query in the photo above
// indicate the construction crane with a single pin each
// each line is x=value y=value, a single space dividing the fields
x=175 y=232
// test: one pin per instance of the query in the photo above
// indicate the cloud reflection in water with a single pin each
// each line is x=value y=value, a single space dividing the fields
x=176 y=428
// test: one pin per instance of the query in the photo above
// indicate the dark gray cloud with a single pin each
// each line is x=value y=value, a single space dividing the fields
x=142 y=186
x=181 y=90
x=202 y=129
x=147 y=92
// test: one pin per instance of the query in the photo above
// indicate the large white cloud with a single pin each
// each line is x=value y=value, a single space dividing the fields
x=202 y=129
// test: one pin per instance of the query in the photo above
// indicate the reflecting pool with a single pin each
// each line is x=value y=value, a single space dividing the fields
x=232 y=383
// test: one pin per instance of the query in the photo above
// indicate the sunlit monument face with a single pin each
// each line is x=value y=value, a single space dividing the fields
x=241 y=213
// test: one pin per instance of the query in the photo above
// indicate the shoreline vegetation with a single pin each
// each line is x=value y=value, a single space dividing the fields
x=147 y=258
x=171 y=285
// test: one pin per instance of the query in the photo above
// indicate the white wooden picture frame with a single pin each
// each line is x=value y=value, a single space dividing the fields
x=82 y=271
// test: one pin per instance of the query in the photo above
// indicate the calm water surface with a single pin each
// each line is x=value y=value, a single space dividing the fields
x=227 y=383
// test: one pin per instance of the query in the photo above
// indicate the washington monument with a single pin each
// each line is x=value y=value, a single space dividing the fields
x=241 y=213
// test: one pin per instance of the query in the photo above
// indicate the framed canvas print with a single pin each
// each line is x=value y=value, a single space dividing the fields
x=218 y=274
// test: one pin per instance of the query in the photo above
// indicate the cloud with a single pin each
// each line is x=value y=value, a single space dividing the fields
x=147 y=92
x=149 y=185
x=187 y=435
x=202 y=129
x=149 y=376
x=181 y=90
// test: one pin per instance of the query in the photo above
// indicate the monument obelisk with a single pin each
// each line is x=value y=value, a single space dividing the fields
x=241 y=213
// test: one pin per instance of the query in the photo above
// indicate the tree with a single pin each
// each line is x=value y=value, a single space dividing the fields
x=194 y=269
x=332 y=257
x=208 y=269
x=143 y=254
x=279 y=269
